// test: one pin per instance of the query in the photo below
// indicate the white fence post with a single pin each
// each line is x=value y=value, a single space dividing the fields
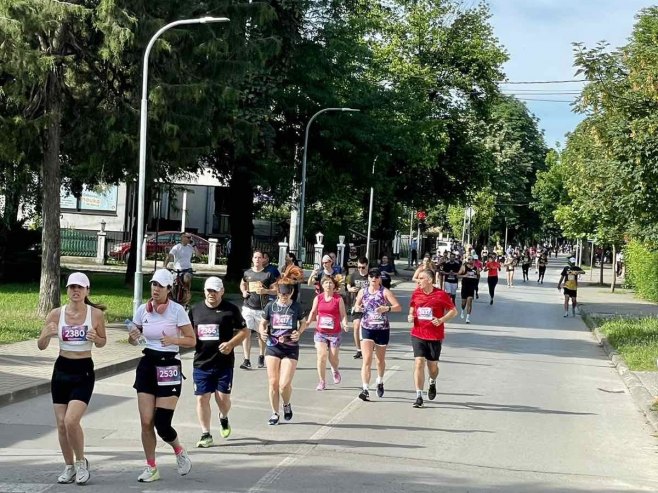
x=101 y=245
x=212 y=251
x=283 y=250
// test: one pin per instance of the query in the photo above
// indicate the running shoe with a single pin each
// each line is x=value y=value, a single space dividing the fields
x=321 y=385
x=274 y=419
x=82 y=471
x=364 y=395
x=246 y=365
x=461 y=315
x=183 y=463
x=261 y=361
x=336 y=375
x=418 y=402
x=358 y=355
x=287 y=412
x=477 y=296
x=380 y=390
x=205 y=441
x=431 y=392
x=149 y=475
x=468 y=319
x=491 y=301
x=225 y=428
x=566 y=314
x=67 y=476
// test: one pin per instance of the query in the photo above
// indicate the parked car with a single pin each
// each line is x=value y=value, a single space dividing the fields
x=442 y=246
x=165 y=241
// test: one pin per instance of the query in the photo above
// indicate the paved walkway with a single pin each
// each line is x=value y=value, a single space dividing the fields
x=25 y=371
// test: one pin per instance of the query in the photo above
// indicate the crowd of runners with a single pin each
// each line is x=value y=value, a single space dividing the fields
x=272 y=314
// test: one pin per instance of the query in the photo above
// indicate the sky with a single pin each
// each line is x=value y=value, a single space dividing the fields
x=538 y=36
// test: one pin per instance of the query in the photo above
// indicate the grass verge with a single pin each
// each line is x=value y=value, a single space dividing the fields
x=636 y=340
x=18 y=303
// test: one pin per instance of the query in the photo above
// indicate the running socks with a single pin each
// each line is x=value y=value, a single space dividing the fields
x=151 y=463
x=177 y=450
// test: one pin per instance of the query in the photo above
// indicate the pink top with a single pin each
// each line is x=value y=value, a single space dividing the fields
x=328 y=314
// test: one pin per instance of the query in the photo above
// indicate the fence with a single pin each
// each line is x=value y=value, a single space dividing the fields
x=77 y=243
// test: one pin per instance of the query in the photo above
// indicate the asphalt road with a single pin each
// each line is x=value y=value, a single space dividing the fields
x=526 y=401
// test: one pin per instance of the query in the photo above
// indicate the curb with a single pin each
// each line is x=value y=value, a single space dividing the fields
x=640 y=394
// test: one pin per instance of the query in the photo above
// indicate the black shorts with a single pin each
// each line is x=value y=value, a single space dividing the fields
x=159 y=373
x=571 y=293
x=378 y=336
x=430 y=350
x=282 y=351
x=468 y=289
x=72 y=380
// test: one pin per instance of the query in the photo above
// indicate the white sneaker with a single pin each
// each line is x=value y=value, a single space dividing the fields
x=461 y=315
x=67 y=476
x=468 y=319
x=149 y=475
x=184 y=463
x=82 y=471
x=566 y=314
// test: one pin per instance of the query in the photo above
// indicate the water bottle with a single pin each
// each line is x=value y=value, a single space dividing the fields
x=130 y=325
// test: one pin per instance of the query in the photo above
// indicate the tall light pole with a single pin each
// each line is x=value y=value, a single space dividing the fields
x=372 y=191
x=139 y=276
x=300 y=236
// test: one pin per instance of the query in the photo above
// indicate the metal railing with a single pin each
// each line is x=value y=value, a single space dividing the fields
x=76 y=243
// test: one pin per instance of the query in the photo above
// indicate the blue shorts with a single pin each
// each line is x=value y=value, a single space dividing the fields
x=211 y=381
x=378 y=336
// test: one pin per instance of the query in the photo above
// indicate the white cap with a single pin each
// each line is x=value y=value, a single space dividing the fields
x=79 y=279
x=327 y=258
x=214 y=283
x=163 y=277
x=474 y=256
x=572 y=260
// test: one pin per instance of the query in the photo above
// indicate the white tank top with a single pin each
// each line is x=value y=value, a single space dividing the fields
x=74 y=337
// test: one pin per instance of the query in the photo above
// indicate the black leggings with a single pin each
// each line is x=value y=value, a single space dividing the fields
x=492 y=281
x=525 y=268
x=542 y=271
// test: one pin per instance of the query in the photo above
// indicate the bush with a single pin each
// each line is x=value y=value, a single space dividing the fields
x=641 y=262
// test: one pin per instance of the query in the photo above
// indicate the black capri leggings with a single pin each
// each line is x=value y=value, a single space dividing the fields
x=492 y=281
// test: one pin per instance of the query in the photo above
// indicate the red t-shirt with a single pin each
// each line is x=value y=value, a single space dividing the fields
x=426 y=307
x=328 y=314
x=492 y=268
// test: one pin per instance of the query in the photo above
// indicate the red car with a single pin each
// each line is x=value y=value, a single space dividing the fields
x=165 y=241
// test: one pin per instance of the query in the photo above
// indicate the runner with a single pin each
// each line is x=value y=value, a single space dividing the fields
x=526 y=260
x=355 y=282
x=158 y=382
x=329 y=309
x=491 y=268
x=375 y=302
x=450 y=279
x=510 y=263
x=284 y=316
x=570 y=277
x=77 y=325
x=426 y=264
x=318 y=275
x=429 y=309
x=477 y=263
x=181 y=255
x=257 y=285
x=293 y=274
x=543 y=262
x=469 y=274
x=219 y=328
x=387 y=270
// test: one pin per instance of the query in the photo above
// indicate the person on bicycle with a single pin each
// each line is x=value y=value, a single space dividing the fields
x=181 y=255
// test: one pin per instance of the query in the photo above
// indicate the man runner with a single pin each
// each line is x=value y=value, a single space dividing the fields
x=570 y=277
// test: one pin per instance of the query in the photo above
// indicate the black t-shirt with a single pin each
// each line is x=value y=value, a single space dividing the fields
x=352 y=264
x=257 y=301
x=452 y=267
x=213 y=326
x=358 y=280
x=282 y=321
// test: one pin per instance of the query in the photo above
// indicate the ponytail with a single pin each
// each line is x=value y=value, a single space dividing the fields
x=95 y=305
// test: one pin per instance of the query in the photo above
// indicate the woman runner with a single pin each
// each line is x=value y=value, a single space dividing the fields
x=491 y=268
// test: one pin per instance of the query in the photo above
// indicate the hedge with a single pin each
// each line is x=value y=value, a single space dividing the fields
x=641 y=262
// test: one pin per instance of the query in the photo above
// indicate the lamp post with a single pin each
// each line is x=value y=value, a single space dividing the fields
x=372 y=190
x=469 y=215
x=139 y=276
x=300 y=236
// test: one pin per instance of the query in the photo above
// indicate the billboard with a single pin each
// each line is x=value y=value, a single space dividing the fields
x=96 y=199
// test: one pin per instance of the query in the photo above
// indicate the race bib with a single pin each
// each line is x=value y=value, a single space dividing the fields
x=253 y=286
x=326 y=323
x=74 y=333
x=424 y=313
x=571 y=277
x=168 y=375
x=375 y=318
x=281 y=321
x=208 y=332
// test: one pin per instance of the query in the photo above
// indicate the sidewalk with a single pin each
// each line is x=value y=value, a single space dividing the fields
x=596 y=302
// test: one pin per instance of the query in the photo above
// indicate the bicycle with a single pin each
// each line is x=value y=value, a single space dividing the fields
x=180 y=291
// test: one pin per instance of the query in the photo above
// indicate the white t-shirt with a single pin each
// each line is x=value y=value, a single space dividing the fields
x=155 y=325
x=182 y=256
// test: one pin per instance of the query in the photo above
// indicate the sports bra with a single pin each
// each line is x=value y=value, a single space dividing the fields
x=74 y=337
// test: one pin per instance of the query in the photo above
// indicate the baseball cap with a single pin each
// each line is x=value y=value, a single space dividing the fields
x=572 y=260
x=79 y=279
x=326 y=258
x=214 y=283
x=285 y=288
x=163 y=277
x=474 y=256
x=375 y=272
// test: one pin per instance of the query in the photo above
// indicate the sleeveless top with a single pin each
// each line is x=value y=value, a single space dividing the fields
x=371 y=319
x=74 y=337
x=470 y=275
x=329 y=314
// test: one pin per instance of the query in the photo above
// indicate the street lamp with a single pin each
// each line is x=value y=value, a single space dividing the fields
x=372 y=191
x=468 y=214
x=139 y=276
x=300 y=236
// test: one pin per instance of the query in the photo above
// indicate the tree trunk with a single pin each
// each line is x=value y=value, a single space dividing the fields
x=240 y=206
x=602 y=264
x=49 y=290
x=614 y=268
